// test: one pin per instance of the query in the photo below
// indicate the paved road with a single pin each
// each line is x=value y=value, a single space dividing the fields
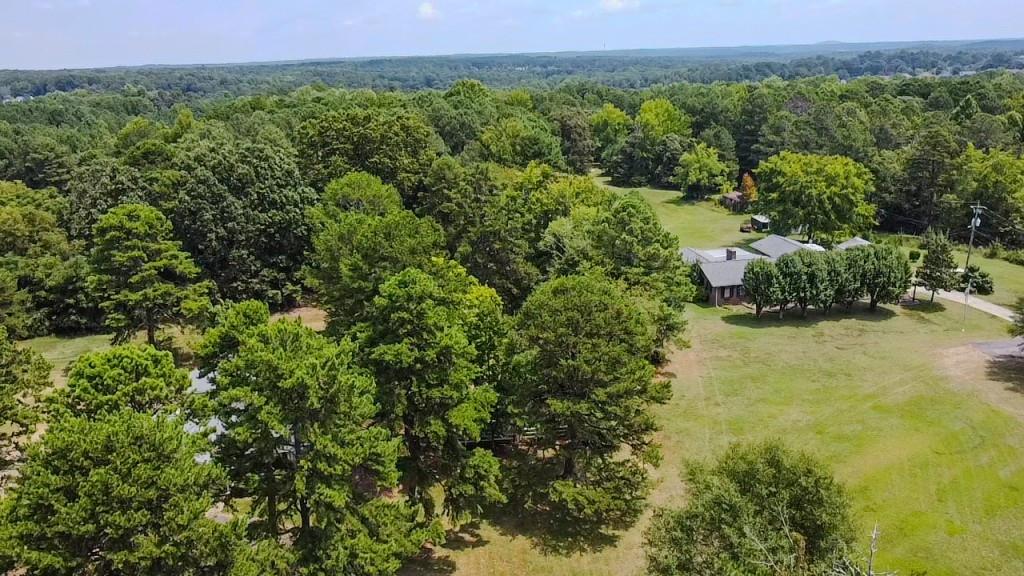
x=1002 y=348
x=974 y=302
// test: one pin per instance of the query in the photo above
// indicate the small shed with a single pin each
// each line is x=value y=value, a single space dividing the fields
x=734 y=201
x=760 y=223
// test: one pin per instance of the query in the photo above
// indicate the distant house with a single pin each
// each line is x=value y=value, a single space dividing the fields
x=721 y=269
x=760 y=223
x=853 y=243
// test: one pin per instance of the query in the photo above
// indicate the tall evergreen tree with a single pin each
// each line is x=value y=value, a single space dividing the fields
x=938 y=269
x=432 y=339
x=141 y=274
x=581 y=379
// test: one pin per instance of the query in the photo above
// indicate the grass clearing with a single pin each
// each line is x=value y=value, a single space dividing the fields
x=929 y=453
x=700 y=224
x=62 y=351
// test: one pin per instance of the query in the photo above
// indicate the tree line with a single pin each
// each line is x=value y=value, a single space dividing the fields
x=623 y=69
x=235 y=176
x=807 y=278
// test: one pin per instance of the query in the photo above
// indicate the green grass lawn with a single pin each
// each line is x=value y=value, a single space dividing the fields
x=1007 y=279
x=697 y=224
x=937 y=464
x=61 y=352
x=937 y=467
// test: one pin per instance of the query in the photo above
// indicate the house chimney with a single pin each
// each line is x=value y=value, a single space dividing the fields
x=730 y=253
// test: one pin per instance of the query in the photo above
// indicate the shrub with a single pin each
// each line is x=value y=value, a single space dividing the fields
x=915 y=255
x=995 y=250
x=981 y=281
x=1015 y=257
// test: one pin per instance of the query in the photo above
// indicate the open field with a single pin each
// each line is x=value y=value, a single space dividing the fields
x=931 y=452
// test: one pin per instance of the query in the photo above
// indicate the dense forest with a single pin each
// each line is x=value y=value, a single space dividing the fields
x=495 y=316
x=623 y=69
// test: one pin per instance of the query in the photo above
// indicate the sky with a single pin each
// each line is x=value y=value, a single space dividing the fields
x=93 y=33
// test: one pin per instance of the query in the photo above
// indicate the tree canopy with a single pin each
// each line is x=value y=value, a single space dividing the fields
x=758 y=509
x=822 y=196
x=141 y=274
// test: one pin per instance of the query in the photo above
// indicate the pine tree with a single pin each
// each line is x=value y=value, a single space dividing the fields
x=938 y=270
x=141 y=273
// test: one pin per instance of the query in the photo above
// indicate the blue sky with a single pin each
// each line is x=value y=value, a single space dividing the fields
x=80 y=33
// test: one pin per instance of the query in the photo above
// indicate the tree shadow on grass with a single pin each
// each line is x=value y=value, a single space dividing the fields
x=552 y=535
x=428 y=564
x=434 y=562
x=792 y=317
x=1009 y=370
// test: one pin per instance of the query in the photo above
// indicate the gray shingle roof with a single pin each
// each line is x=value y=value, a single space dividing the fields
x=853 y=243
x=774 y=246
x=728 y=273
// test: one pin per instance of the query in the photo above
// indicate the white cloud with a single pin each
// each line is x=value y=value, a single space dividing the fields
x=427 y=11
x=619 y=5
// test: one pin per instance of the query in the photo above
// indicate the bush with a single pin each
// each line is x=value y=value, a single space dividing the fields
x=915 y=255
x=1015 y=257
x=995 y=250
x=981 y=281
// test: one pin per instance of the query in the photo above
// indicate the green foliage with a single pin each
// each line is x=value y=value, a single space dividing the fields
x=610 y=126
x=123 y=494
x=127 y=377
x=822 y=195
x=24 y=375
x=884 y=273
x=763 y=284
x=581 y=380
x=938 y=270
x=994 y=179
x=392 y=144
x=759 y=509
x=520 y=140
x=432 y=338
x=240 y=209
x=578 y=143
x=794 y=287
x=623 y=239
x=42 y=273
x=659 y=118
x=358 y=192
x=976 y=280
x=289 y=391
x=700 y=172
x=141 y=274
x=354 y=252
x=233 y=324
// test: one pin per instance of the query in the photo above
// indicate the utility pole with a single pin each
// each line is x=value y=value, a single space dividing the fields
x=975 y=222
